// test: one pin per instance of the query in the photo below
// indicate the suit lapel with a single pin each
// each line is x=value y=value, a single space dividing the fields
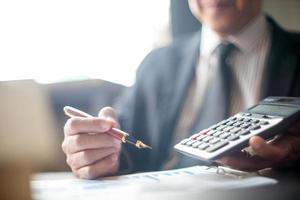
x=281 y=65
x=186 y=72
x=179 y=81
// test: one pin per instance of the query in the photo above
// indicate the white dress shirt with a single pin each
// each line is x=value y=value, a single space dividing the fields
x=248 y=63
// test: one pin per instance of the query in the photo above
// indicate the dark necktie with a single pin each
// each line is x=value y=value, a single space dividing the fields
x=216 y=102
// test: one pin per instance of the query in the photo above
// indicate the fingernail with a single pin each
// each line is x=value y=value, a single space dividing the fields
x=111 y=120
x=256 y=144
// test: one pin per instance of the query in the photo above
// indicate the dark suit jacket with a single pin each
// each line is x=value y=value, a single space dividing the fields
x=151 y=108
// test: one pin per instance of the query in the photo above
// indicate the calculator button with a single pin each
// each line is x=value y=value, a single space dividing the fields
x=220 y=128
x=183 y=142
x=222 y=122
x=199 y=138
x=254 y=127
x=231 y=123
x=203 y=146
x=217 y=146
x=218 y=133
x=214 y=127
x=211 y=132
x=264 y=123
x=244 y=132
x=233 y=137
x=228 y=128
x=247 y=114
x=214 y=140
x=235 y=130
x=207 y=138
x=225 y=135
x=247 y=120
x=189 y=143
x=255 y=121
x=245 y=125
x=237 y=124
x=203 y=132
x=196 y=144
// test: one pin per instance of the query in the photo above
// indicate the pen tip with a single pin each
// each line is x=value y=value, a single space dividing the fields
x=141 y=145
x=147 y=146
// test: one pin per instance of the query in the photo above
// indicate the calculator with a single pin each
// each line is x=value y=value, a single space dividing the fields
x=270 y=117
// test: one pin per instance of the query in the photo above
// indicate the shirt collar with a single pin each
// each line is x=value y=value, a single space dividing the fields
x=251 y=36
x=245 y=40
x=209 y=41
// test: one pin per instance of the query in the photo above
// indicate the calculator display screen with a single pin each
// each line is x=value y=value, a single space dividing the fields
x=274 y=109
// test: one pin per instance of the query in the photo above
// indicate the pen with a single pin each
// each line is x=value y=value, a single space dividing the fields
x=121 y=135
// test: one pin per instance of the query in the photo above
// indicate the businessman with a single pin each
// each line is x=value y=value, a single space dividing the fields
x=239 y=57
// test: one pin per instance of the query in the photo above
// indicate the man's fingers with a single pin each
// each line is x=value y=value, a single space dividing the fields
x=266 y=150
x=105 y=166
x=88 y=157
x=109 y=114
x=77 y=125
x=91 y=151
x=80 y=142
x=244 y=163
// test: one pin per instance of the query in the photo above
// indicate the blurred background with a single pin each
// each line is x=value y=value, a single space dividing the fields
x=83 y=54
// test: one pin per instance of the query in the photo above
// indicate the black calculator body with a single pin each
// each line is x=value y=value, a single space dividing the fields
x=271 y=116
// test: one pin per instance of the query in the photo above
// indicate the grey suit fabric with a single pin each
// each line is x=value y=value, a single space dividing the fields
x=150 y=109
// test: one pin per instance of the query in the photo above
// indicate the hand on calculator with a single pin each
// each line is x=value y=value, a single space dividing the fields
x=270 y=119
x=280 y=152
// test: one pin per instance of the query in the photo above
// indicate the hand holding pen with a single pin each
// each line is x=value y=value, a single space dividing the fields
x=90 y=150
x=121 y=135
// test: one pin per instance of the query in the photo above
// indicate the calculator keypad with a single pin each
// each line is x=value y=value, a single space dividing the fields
x=224 y=132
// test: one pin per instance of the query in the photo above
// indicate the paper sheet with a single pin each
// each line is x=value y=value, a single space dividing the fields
x=58 y=186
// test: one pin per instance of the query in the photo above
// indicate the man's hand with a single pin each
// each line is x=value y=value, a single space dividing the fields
x=280 y=152
x=91 y=152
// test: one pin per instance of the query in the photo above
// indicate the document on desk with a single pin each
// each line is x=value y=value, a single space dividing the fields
x=48 y=186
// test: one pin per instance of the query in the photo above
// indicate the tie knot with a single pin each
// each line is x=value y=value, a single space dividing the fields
x=225 y=49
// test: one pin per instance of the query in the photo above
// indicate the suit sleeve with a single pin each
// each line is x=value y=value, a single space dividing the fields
x=133 y=113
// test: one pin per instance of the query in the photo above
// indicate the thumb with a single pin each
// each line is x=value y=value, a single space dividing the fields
x=266 y=150
x=109 y=114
